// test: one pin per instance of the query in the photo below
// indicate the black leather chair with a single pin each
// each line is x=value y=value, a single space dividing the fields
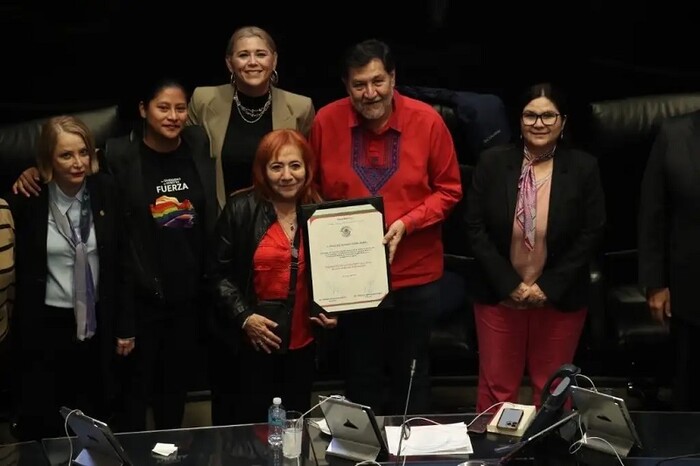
x=621 y=134
x=453 y=346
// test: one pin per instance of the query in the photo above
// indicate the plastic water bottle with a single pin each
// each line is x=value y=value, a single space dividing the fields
x=276 y=416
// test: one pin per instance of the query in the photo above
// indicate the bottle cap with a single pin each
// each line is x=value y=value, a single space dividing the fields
x=277 y=400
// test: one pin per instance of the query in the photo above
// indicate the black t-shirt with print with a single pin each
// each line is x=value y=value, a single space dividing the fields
x=175 y=199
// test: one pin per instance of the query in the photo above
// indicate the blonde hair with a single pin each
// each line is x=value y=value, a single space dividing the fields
x=250 y=31
x=49 y=139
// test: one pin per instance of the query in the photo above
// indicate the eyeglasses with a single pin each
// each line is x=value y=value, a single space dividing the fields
x=548 y=118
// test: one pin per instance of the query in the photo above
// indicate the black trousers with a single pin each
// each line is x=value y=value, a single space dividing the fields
x=224 y=373
x=686 y=393
x=160 y=368
x=60 y=371
x=260 y=378
x=384 y=342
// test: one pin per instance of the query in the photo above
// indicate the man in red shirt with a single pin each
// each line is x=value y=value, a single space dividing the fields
x=377 y=142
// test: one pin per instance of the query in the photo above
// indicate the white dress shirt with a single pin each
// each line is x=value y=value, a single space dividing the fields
x=61 y=255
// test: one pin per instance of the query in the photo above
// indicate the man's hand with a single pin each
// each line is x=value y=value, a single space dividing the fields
x=27 y=183
x=393 y=237
x=659 y=300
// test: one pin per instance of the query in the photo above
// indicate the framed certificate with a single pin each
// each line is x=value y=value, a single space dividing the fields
x=347 y=262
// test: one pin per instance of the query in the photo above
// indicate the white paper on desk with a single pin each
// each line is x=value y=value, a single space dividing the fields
x=439 y=439
x=164 y=449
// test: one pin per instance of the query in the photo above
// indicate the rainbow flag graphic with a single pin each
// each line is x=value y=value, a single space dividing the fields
x=168 y=212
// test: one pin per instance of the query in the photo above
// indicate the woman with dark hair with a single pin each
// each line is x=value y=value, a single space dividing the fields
x=72 y=293
x=535 y=216
x=260 y=280
x=167 y=178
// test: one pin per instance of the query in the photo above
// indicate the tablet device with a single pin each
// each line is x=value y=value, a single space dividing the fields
x=96 y=443
x=356 y=434
x=605 y=416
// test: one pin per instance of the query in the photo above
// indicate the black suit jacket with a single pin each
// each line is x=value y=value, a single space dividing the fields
x=115 y=306
x=123 y=158
x=669 y=215
x=574 y=228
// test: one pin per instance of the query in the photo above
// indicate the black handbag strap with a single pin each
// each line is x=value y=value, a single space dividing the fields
x=293 y=272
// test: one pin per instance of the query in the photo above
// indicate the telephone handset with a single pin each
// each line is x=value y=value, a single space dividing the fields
x=553 y=399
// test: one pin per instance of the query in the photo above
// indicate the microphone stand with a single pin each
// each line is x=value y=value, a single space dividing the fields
x=405 y=412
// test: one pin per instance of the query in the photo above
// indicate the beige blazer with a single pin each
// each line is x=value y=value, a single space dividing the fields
x=210 y=107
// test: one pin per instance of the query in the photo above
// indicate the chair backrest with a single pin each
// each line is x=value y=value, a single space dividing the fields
x=18 y=141
x=621 y=133
x=454 y=234
x=476 y=121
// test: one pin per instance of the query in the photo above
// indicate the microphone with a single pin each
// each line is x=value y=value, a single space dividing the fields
x=405 y=430
x=512 y=449
x=551 y=408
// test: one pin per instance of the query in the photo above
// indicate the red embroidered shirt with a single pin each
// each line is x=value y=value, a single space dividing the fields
x=411 y=164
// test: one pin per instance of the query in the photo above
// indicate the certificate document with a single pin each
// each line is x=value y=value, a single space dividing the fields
x=346 y=257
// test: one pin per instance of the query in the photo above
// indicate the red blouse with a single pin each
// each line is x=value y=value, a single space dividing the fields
x=271 y=279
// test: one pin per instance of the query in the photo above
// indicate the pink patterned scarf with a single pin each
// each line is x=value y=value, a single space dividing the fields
x=526 y=207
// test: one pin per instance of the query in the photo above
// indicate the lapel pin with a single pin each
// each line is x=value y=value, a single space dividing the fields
x=102 y=213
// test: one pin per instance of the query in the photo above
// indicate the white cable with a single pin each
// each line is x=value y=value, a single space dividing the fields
x=334 y=397
x=585 y=377
x=422 y=419
x=485 y=411
x=578 y=444
x=70 y=442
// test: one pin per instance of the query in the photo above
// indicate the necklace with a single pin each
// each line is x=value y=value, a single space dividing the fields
x=292 y=227
x=288 y=221
x=252 y=115
x=292 y=223
x=533 y=159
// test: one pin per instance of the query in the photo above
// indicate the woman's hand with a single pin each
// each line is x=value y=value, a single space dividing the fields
x=325 y=322
x=259 y=331
x=125 y=346
x=27 y=183
x=521 y=293
x=537 y=297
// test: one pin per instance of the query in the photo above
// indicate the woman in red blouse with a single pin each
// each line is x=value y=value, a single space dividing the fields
x=259 y=290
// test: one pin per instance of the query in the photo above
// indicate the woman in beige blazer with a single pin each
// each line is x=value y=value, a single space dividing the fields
x=237 y=115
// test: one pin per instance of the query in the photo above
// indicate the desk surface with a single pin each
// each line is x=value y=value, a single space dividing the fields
x=22 y=454
x=663 y=434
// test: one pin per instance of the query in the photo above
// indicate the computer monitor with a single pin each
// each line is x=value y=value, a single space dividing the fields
x=605 y=416
x=97 y=444
x=356 y=434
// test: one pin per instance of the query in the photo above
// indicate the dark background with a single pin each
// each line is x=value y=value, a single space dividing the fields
x=61 y=56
